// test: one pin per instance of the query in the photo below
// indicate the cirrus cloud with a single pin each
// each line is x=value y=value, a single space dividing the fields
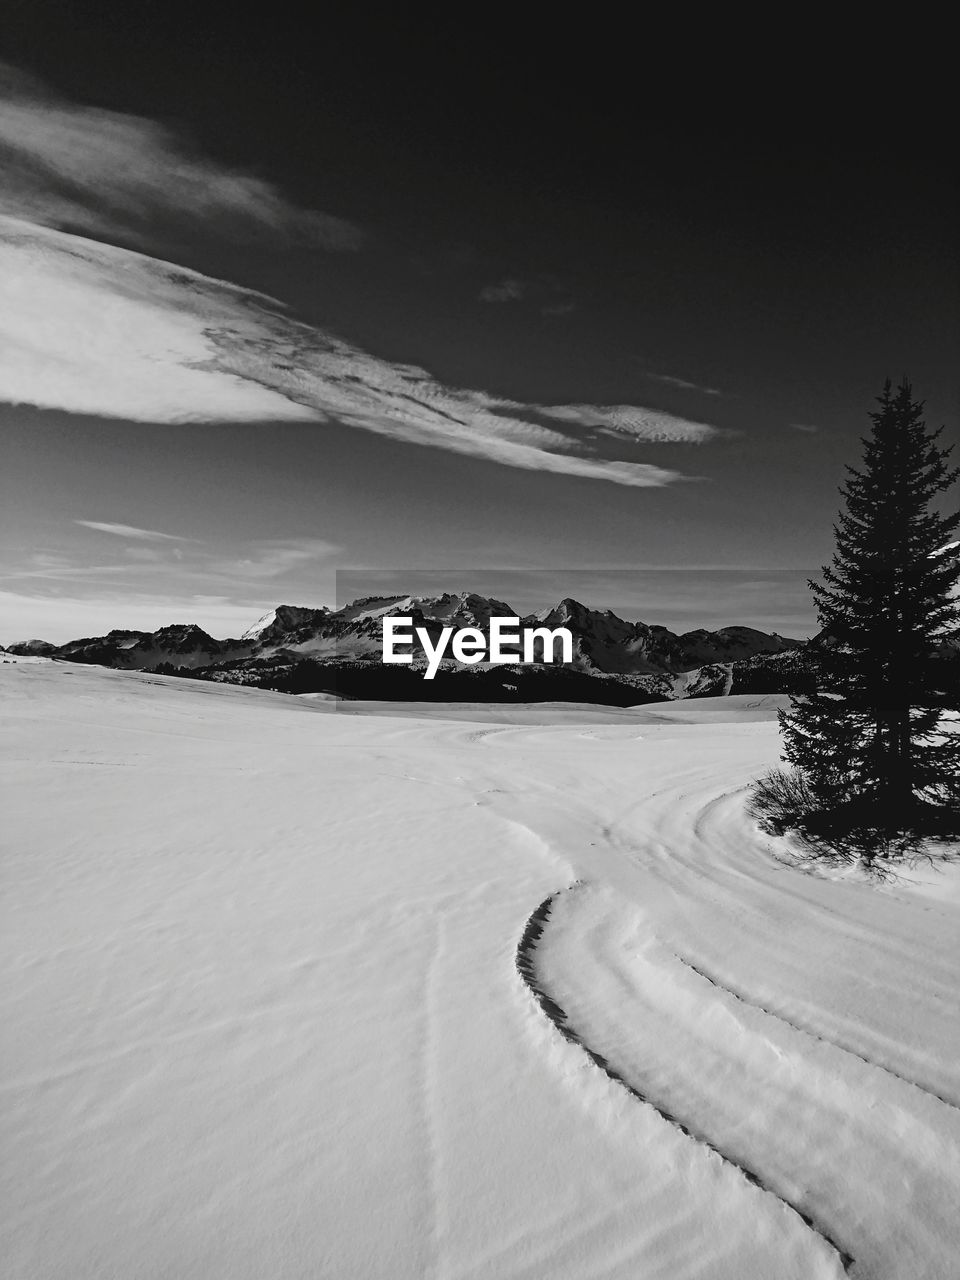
x=651 y=425
x=129 y=531
x=94 y=329
x=110 y=173
x=683 y=384
x=504 y=291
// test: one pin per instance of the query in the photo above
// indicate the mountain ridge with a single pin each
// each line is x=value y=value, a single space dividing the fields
x=296 y=645
x=602 y=640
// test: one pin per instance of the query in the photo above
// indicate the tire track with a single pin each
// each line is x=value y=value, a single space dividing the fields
x=812 y=1035
x=526 y=967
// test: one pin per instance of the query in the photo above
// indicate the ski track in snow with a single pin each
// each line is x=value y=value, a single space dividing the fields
x=527 y=968
x=738 y=995
x=933 y=1251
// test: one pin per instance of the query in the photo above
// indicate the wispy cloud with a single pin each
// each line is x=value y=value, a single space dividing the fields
x=549 y=293
x=94 y=329
x=649 y=425
x=262 y=559
x=60 y=569
x=558 y=309
x=504 y=291
x=129 y=531
x=806 y=427
x=110 y=174
x=273 y=559
x=682 y=384
x=55 y=595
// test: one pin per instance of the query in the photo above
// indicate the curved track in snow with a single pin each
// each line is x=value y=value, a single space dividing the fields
x=744 y=999
x=526 y=962
x=797 y=1026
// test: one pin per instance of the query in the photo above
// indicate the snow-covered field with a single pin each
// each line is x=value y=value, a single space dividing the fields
x=289 y=992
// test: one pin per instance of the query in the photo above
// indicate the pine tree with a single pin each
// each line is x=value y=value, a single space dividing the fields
x=868 y=743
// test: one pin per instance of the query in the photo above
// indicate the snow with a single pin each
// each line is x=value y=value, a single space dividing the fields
x=261 y=625
x=264 y=1015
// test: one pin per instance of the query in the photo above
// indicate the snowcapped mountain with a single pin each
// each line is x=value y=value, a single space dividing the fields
x=32 y=649
x=182 y=645
x=604 y=642
x=294 y=641
x=281 y=621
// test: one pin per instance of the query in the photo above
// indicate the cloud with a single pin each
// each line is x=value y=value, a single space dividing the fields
x=275 y=558
x=91 y=328
x=505 y=291
x=270 y=558
x=129 y=531
x=648 y=425
x=112 y=174
x=58 y=569
x=54 y=595
x=683 y=385
x=806 y=427
x=558 y=309
x=549 y=292
x=148 y=555
x=94 y=329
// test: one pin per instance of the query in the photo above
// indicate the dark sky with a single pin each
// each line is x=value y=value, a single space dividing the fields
x=749 y=228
